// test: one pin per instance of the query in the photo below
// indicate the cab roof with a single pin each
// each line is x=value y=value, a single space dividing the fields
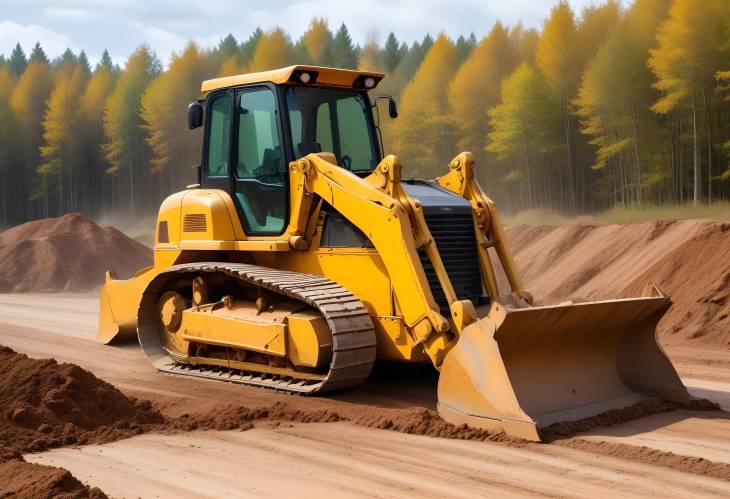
x=322 y=76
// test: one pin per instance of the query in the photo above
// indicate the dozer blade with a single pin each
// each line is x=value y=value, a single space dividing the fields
x=519 y=370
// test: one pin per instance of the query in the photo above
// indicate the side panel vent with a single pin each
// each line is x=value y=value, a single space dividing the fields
x=163 y=235
x=194 y=222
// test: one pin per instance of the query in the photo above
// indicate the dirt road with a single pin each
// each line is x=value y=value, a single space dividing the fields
x=346 y=458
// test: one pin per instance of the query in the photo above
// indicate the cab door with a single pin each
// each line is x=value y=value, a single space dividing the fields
x=259 y=172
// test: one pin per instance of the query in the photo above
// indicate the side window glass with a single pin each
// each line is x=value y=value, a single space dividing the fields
x=219 y=139
x=354 y=135
x=260 y=174
x=324 y=127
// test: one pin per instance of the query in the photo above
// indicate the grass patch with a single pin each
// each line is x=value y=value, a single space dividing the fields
x=620 y=215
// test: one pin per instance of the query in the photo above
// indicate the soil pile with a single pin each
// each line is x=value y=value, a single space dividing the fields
x=21 y=479
x=69 y=253
x=689 y=259
x=697 y=277
x=45 y=404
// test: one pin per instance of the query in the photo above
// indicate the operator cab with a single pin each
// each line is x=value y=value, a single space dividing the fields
x=256 y=124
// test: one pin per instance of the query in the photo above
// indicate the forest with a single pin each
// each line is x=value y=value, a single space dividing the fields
x=610 y=106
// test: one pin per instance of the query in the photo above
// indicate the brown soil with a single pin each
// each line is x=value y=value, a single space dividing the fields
x=46 y=404
x=646 y=455
x=22 y=479
x=69 y=253
x=689 y=259
x=697 y=276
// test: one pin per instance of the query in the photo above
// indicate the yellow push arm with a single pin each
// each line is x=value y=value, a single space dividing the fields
x=460 y=180
x=387 y=223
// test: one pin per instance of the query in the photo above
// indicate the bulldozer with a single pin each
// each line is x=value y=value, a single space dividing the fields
x=302 y=256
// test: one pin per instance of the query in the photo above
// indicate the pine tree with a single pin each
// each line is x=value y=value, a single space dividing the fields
x=317 y=43
x=274 y=50
x=463 y=47
x=105 y=62
x=692 y=47
x=228 y=47
x=476 y=88
x=344 y=54
x=84 y=63
x=38 y=54
x=423 y=135
x=393 y=52
x=248 y=48
x=17 y=62
x=3 y=62
x=67 y=59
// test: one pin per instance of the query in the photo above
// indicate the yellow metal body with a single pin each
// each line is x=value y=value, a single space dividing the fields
x=508 y=366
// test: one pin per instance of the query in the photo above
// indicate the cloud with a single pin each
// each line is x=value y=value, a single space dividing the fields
x=70 y=14
x=53 y=43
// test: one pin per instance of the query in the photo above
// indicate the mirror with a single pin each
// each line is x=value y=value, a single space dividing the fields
x=392 y=108
x=195 y=115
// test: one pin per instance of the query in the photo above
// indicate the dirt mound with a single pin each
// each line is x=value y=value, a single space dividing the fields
x=697 y=277
x=46 y=404
x=21 y=479
x=689 y=259
x=69 y=253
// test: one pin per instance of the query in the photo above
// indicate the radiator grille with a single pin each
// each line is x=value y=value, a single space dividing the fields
x=456 y=243
x=194 y=222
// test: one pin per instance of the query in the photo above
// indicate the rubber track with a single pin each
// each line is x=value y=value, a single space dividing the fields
x=353 y=336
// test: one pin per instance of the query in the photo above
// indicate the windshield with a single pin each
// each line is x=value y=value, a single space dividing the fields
x=333 y=121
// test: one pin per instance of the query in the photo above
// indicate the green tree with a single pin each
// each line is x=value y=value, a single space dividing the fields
x=106 y=62
x=344 y=53
x=522 y=128
x=423 y=135
x=464 y=46
x=84 y=63
x=17 y=61
x=393 y=52
x=248 y=48
x=38 y=54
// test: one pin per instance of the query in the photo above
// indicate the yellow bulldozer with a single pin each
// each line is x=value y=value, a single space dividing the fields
x=302 y=256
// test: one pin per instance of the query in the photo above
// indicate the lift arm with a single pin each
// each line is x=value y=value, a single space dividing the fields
x=378 y=208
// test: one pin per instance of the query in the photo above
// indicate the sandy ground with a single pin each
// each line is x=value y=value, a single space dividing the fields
x=343 y=458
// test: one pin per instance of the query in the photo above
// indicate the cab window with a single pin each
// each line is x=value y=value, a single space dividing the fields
x=334 y=121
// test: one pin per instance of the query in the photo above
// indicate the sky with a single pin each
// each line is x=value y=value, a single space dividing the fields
x=165 y=25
